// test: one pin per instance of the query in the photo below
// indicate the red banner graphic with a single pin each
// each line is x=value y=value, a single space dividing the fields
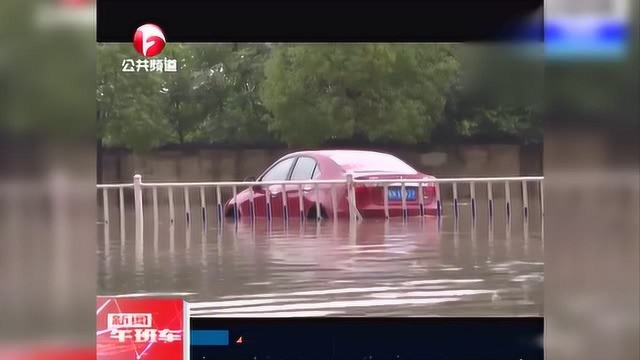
x=135 y=329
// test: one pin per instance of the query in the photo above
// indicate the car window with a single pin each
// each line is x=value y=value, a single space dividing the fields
x=303 y=169
x=279 y=172
x=316 y=172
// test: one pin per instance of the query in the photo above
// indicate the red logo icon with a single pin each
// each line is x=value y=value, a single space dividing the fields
x=149 y=40
x=239 y=341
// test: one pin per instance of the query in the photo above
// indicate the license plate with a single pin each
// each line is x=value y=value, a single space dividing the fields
x=395 y=193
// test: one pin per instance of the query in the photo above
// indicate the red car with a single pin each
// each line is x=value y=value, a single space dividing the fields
x=335 y=165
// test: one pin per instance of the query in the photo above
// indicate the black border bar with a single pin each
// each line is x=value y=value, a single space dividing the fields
x=322 y=21
x=455 y=338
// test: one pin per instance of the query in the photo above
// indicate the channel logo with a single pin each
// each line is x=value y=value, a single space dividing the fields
x=149 y=40
x=141 y=328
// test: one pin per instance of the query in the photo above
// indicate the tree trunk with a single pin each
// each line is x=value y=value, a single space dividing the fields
x=179 y=129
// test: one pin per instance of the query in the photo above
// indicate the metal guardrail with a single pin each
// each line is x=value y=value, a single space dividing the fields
x=350 y=183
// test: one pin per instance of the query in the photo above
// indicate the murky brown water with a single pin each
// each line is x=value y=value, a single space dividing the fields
x=418 y=267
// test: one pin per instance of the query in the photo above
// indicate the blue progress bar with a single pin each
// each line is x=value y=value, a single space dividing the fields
x=209 y=338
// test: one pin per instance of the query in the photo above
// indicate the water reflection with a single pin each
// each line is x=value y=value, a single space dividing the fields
x=469 y=266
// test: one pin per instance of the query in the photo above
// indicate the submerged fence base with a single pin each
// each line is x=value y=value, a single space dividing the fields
x=339 y=192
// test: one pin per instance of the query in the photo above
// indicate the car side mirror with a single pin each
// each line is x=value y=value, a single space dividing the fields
x=254 y=187
x=257 y=188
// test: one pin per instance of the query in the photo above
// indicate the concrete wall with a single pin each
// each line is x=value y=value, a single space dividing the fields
x=234 y=164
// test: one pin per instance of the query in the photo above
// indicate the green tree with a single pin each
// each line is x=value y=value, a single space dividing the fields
x=384 y=92
x=497 y=95
x=309 y=95
x=129 y=107
x=183 y=108
x=239 y=116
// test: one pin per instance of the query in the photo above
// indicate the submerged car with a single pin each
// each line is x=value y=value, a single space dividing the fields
x=334 y=165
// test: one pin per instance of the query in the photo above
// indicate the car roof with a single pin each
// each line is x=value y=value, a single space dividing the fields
x=332 y=153
x=356 y=158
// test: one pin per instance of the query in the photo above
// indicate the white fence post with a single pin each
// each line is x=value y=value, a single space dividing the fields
x=252 y=207
x=403 y=198
x=541 y=183
x=137 y=192
x=187 y=205
x=525 y=199
x=156 y=220
x=122 y=214
x=421 y=198
x=490 y=199
x=219 y=209
x=267 y=197
x=472 y=190
x=105 y=207
x=318 y=211
x=236 y=211
x=439 y=200
x=507 y=199
x=172 y=211
x=105 y=210
x=203 y=207
x=455 y=200
x=350 y=190
x=386 y=201
x=285 y=204
x=351 y=183
x=334 y=202
x=354 y=215
x=301 y=203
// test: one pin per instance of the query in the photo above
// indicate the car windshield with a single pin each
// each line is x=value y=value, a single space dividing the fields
x=368 y=162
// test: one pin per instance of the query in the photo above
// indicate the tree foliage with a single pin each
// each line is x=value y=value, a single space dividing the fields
x=130 y=105
x=498 y=95
x=388 y=92
x=306 y=95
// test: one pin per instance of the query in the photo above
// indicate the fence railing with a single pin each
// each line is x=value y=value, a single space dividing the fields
x=337 y=192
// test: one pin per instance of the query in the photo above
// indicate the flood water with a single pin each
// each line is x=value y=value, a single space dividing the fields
x=417 y=267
